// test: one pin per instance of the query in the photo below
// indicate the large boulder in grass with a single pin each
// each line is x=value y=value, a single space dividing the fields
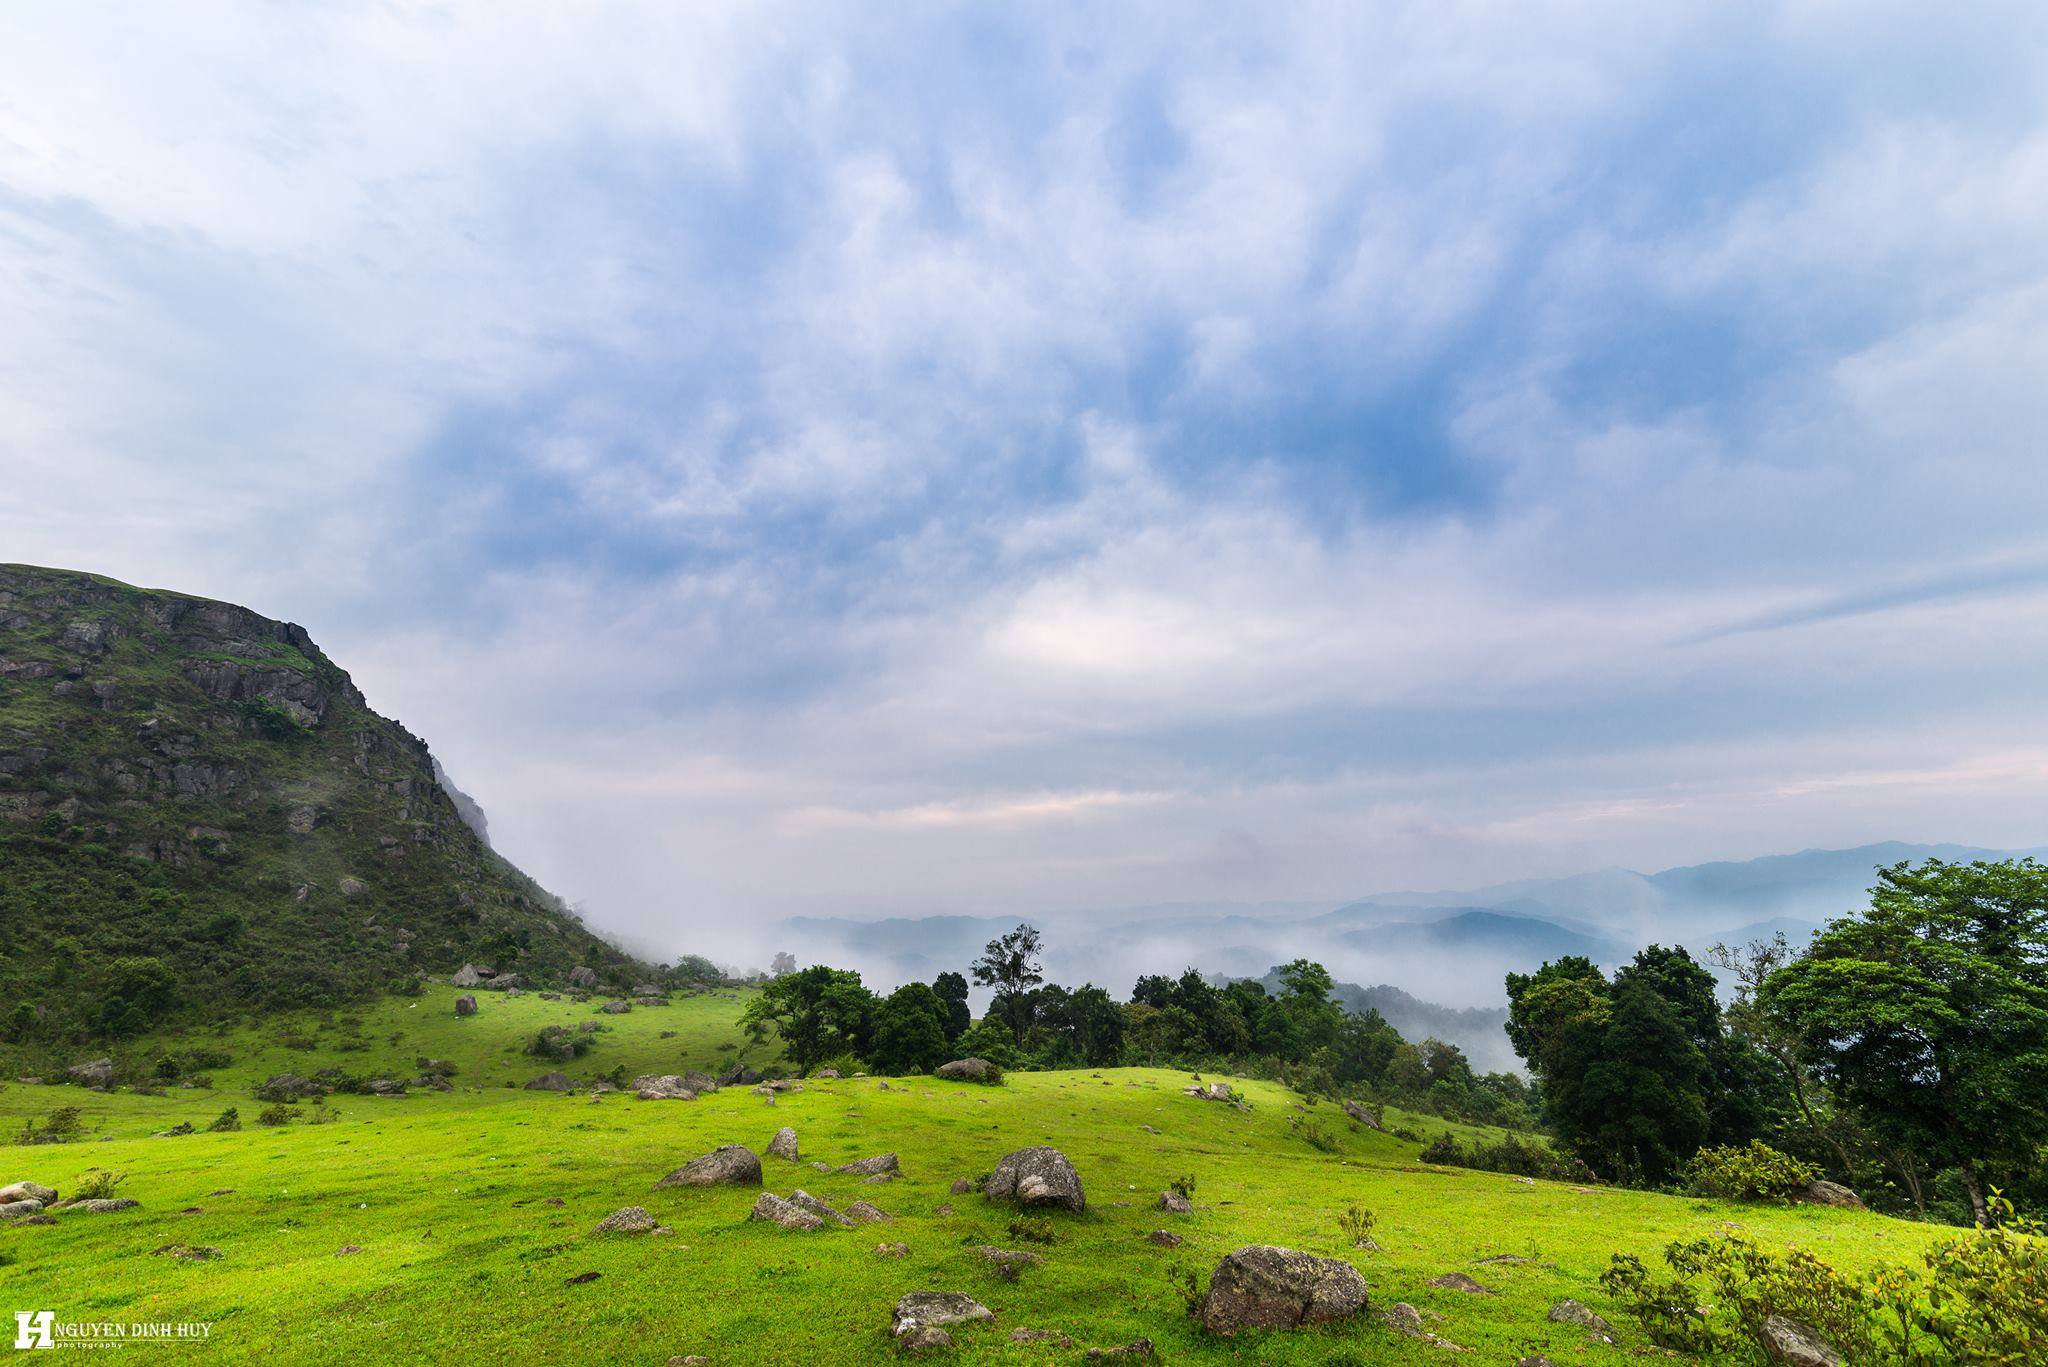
x=14 y=1210
x=921 y=1310
x=628 y=1220
x=699 y=1081
x=551 y=1082
x=783 y=1144
x=581 y=976
x=1262 y=1287
x=728 y=1165
x=28 y=1191
x=102 y=1206
x=97 y=1074
x=1362 y=1114
x=465 y=1005
x=662 y=1087
x=1829 y=1194
x=882 y=1164
x=1796 y=1344
x=466 y=976
x=969 y=1070
x=1037 y=1177
x=773 y=1209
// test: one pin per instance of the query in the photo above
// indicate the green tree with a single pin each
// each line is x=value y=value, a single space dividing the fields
x=1928 y=1013
x=952 y=990
x=819 y=1012
x=1010 y=966
x=910 y=1031
x=137 y=994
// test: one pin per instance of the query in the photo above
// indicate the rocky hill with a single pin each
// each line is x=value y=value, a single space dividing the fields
x=198 y=811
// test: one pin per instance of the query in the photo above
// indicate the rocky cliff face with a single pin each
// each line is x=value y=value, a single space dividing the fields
x=188 y=781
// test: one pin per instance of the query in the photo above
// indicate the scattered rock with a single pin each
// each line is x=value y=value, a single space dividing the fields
x=1505 y=1259
x=662 y=1087
x=803 y=1200
x=969 y=1070
x=772 y=1208
x=616 y=1008
x=581 y=976
x=943 y=1208
x=97 y=1074
x=1534 y=1360
x=1573 y=1312
x=1829 y=1194
x=922 y=1309
x=182 y=1127
x=1362 y=1114
x=739 y=1075
x=551 y=1082
x=699 y=1082
x=347 y=1249
x=827 y=1074
x=466 y=976
x=733 y=1165
x=895 y=1250
x=581 y=1278
x=1040 y=1336
x=961 y=1186
x=1036 y=1177
x=15 y=1210
x=1134 y=1351
x=1796 y=1344
x=881 y=1163
x=28 y=1191
x=465 y=1005
x=1008 y=1263
x=1215 y=1091
x=627 y=1220
x=197 y=1253
x=1173 y=1203
x=1458 y=1281
x=783 y=1144
x=103 y=1206
x=356 y=887
x=1165 y=1238
x=866 y=1213
x=1149 y=1129
x=1403 y=1319
x=1262 y=1287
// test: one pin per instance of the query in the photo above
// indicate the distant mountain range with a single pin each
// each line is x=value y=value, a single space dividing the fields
x=1436 y=960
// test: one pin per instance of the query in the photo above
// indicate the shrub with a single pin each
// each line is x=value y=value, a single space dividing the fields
x=1510 y=1155
x=201 y=1059
x=1185 y=1186
x=168 y=1068
x=279 y=1114
x=230 y=1119
x=97 y=1185
x=560 y=1043
x=1756 y=1172
x=1314 y=1135
x=1357 y=1223
x=64 y=1124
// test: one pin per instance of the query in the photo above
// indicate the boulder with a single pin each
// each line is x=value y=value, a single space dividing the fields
x=961 y=1186
x=739 y=1075
x=502 y=982
x=28 y=1191
x=353 y=887
x=1796 y=1344
x=104 y=1205
x=699 y=1081
x=1829 y=1194
x=772 y=1208
x=924 y=1339
x=465 y=1005
x=729 y=1165
x=827 y=1075
x=14 y=1210
x=1215 y=1091
x=385 y=1086
x=1362 y=1114
x=97 y=1074
x=616 y=1008
x=627 y=1220
x=1037 y=1177
x=969 y=1070
x=197 y=1253
x=551 y=1082
x=783 y=1144
x=932 y=1309
x=662 y=1087
x=289 y=1087
x=892 y=1250
x=866 y=1213
x=1574 y=1312
x=1262 y=1287
x=1165 y=1238
x=581 y=976
x=803 y=1200
x=1173 y=1203
x=1136 y=1351
x=882 y=1164
x=466 y=976
x=1458 y=1281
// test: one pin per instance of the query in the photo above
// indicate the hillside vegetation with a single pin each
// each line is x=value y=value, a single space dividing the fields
x=447 y=1201
x=200 y=813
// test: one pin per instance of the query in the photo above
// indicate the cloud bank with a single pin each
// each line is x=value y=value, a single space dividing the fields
x=1014 y=460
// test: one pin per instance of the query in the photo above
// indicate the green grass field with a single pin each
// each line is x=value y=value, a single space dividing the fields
x=463 y=1258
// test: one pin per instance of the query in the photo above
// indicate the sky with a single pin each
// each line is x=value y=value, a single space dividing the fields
x=911 y=459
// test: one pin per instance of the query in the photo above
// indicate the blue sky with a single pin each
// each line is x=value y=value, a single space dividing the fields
x=1026 y=458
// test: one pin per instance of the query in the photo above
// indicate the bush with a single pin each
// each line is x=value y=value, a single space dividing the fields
x=1314 y=1134
x=201 y=1059
x=97 y=1185
x=1185 y=1186
x=1511 y=1155
x=1033 y=1229
x=1357 y=1223
x=64 y=1124
x=560 y=1043
x=1756 y=1172
x=230 y=1119
x=279 y=1114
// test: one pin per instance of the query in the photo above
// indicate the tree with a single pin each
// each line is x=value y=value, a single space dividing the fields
x=1086 y=1027
x=1928 y=1013
x=783 y=965
x=1738 y=1098
x=952 y=991
x=138 y=993
x=1010 y=966
x=819 y=1012
x=909 y=1031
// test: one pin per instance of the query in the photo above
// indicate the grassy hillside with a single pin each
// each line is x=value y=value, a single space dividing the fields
x=200 y=813
x=462 y=1256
